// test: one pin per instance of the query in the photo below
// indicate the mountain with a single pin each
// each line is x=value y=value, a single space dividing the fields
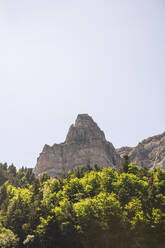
x=150 y=152
x=85 y=144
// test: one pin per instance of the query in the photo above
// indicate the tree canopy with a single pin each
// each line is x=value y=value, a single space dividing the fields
x=86 y=208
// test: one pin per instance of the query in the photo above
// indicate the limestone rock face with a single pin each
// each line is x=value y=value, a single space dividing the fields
x=150 y=152
x=85 y=144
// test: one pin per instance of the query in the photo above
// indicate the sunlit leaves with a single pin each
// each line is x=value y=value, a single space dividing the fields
x=7 y=238
x=87 y=208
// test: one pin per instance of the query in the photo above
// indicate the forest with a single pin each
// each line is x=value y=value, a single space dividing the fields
x=85 y=208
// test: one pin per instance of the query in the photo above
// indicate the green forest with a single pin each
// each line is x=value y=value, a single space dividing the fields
x=86 y=208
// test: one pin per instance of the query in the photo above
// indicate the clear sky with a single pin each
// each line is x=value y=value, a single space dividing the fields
x=59 y=58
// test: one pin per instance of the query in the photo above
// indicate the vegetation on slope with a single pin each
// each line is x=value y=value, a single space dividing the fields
x=87 y=208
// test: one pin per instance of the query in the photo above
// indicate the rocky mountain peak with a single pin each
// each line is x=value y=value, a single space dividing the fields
x=85 y=130
x=83 y=120
x=85 y=144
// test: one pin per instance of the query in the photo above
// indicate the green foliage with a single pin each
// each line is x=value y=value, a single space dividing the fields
x=125 y=163
x=85 y=208
x=133 y=168
x=21 y=178
x=7 y=238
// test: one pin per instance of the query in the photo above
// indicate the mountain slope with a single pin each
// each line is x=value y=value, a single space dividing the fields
x=150 y=152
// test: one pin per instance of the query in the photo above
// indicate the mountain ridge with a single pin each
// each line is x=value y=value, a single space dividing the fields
x=150 y=152
x=85 y=144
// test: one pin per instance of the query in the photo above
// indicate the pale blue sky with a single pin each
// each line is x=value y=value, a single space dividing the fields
x=59 y=58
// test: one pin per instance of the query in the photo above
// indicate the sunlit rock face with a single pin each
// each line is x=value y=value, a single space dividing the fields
x=149 y=153
x=85 y=144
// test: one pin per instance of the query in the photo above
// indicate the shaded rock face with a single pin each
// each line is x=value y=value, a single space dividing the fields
x=150 y=152
x=85 y=144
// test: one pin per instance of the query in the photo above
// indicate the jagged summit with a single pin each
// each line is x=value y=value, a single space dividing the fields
x=85 y=130
x=85 y=144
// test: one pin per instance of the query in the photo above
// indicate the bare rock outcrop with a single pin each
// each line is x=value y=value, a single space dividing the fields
x=85 y=144
x=150 y=152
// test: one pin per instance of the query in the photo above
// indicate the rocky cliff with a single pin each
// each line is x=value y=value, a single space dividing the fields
x=150 y=152
x=85 y=144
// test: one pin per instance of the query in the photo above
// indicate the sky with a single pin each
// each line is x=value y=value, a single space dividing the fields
x=61 y=58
